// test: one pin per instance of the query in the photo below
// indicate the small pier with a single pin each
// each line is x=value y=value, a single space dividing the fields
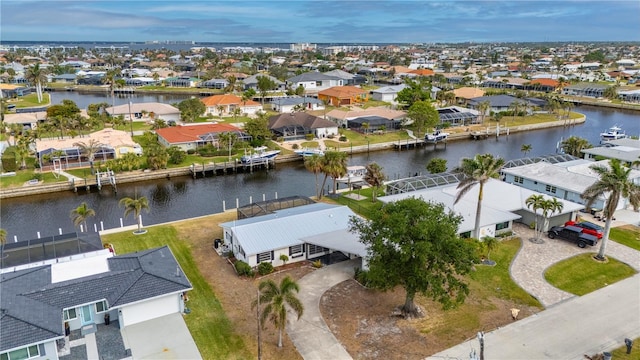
x=125 y=90
x=102 y=178
x=223 y=168
x=416 y=143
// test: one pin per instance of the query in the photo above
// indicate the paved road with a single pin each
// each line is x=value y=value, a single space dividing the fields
x=589 y=324
x=310 y=334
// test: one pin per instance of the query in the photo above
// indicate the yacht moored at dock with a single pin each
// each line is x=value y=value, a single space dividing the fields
x=613 y=133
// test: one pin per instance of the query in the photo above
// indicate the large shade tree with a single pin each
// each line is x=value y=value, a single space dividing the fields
x=424 y=115
x=135 y=206
x=80 y=215
x=614 y=183
x=477 y=171
x=277 y=299
x=415 y=244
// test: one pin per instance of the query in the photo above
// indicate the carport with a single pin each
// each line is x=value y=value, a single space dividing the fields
x=340 y=240
x=166 y=337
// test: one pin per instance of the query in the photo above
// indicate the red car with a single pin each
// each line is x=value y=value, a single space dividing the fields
x=587 y=227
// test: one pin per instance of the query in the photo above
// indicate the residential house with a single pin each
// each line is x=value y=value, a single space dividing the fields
x=296 y=103
x=585 y=89
x=458 y=116
x=502 y=203
x=387 y=93
x=182 y=81
x=347 y=78
x=344 y=95
x=312 y=82
x=500 y=103
x=251 y=82
x=626 y=150
x=343 y=118
x=145 y=112
x=301 y=233
x=192 y=136
x=564 y=180
x=9 y=90
x=28 y=121
x=64 y=78
x=80 y=291
x=214 y=84
x=542 y=84
x=296 y=125
x=225 y=105
x=464 y=94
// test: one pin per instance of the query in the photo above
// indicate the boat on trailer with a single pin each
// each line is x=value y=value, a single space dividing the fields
x=436 y=136
x=259 y=155
x=613 y=133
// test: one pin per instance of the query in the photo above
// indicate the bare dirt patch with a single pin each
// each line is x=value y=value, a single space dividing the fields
x=363 y=322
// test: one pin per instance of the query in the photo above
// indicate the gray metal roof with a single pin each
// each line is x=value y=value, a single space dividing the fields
x=288 y=227
x=624 y=153
x=340 y=240
x=32 y=305
x=311 y=76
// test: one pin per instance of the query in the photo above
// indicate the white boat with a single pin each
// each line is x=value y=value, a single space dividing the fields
x=309 y=152
x=436 y=136
x=613 y=133
x=355 y=174
x=259 y=155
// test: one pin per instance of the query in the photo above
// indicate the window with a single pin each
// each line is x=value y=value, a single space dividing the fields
x=241 y=251
x=502 y=226
x=101 y=306
x=518 y=179
x=21 y=354
x=70 y=314
x=551 y=189
x=296 y=250
x=465 y=235
x=265 y=256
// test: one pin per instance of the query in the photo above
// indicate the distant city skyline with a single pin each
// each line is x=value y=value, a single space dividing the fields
x=321 y=21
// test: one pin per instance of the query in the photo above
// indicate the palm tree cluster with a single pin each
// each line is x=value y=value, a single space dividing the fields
x=547 y=207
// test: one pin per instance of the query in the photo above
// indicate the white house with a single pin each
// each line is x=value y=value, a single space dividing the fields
x=294 y=103
x=502 y=204
x=565 y=180
x=301 y=233
x=145 y=111
x=387 y=93
x=314 y=81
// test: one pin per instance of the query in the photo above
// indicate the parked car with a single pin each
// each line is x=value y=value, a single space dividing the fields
x=573 y=233
x=587 y=228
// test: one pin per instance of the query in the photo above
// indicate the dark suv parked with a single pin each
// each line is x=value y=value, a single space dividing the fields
x=573 y=233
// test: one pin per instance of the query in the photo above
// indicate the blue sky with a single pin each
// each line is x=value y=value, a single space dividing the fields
x=320 y=21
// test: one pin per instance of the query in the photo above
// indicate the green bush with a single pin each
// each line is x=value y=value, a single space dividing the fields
x=309 y=137
x=343 y=138
x=265 y=268
x=191 y=151
x=243 y=269
x=9 y=162
x=362 y=276
x=38 y=176
x=317 y=264
x=295 y=146
x=176 y=155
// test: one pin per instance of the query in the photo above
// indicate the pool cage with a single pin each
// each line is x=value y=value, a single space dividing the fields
x=270 y=206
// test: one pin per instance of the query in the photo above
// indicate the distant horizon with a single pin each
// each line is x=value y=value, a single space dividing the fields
x=160 y=42
x=329 y=21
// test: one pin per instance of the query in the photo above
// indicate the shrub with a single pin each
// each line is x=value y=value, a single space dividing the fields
x=295 y=146
x=9 y=163
x=317 y=264
x=309 y=137
x=284 y=258
x=243 y=269
x=265 y=268
x=176 y=155
x=191 y=151
x=37 y=176
x=343 y=138
x=362 y=276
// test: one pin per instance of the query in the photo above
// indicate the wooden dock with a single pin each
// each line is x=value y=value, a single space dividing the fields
x=416 y=143
x=222 y=168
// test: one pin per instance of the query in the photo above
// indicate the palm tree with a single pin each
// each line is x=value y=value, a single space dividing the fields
x=276 y=300
x=614 y=182
x=80 y=214
x=574 y=145
x=313 y=163
x=483 y=107
x=478 y=171
x=36 y=76
x=549 y=207
x=135 y=207
x=526 y=148
x=534 y=202
x=334 y=165
x=228 y=139
x=375 y=178
x=89 y=149
x=110 y=78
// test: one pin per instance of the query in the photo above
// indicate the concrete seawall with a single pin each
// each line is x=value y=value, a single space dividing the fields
x=123 y=178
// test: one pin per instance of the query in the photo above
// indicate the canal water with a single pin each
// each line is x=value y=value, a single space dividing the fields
x=184 y=197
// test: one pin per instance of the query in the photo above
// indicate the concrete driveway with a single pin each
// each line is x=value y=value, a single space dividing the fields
x=166 y=337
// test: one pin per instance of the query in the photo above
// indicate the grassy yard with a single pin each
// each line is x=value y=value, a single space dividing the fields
x=581 y=274
x=621 y=352
x=30 y=100
x=626 y=235
x=207 y=322
x=22 y=176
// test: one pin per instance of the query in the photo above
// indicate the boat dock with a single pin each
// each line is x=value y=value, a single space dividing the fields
x=222 y=168
x=101 y=178
x=416 y=143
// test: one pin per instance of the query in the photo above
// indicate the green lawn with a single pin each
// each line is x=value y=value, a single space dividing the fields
x=30 y=100
x=207 y=321
x=626 y=236
x=22 y=176
x=582 y=274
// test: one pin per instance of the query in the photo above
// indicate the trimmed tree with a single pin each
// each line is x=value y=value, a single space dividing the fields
x=80 y=214
x=135 y=207
x=415 y=245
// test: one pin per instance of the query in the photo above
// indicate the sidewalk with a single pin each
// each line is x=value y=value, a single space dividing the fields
x=310 y=334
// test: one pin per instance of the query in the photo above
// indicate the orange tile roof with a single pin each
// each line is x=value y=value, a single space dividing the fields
x=190 y=133
x=468 y=92
x=227 y=99
x=423 y=72
x=342 y=92
x=545 y=82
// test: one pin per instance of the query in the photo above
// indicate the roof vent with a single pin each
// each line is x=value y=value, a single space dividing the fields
x=177 y=271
